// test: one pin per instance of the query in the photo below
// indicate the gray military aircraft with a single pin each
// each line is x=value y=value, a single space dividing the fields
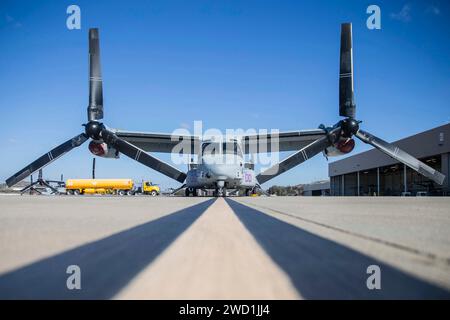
x=221 y=163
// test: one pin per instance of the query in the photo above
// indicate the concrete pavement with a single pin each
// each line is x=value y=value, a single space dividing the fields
x=217 y=258
x=235 y=248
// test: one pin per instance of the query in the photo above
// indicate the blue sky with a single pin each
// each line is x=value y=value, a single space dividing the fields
x=231 y=64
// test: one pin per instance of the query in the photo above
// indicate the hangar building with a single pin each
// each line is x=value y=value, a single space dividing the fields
x=374 y=173
x=318 y=188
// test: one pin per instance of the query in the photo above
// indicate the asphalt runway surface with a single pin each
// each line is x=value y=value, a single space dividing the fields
x=232 y=248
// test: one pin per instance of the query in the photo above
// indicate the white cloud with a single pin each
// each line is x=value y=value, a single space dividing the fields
x=404 y=15
x=434 y=10
x=11 y=21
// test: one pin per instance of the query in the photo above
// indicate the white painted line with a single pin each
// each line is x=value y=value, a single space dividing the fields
x=216 y=258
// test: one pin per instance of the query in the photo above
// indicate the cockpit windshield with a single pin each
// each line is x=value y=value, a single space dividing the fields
x=213 y=148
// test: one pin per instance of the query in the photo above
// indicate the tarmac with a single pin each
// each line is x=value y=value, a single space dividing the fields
x=226 y=248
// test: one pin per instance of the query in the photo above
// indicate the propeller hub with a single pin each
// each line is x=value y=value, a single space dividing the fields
x=93 y=129
x=349 y=127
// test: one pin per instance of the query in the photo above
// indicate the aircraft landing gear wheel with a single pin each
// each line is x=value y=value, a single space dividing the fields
x=220 y=188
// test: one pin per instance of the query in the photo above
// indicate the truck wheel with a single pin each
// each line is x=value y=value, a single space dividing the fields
x=154 y=193
x=129 y=193
x=121 y=193
x=76 y=192
x=69 y=192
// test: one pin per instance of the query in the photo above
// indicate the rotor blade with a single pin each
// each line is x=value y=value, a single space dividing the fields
x=95 y=108
x=299 y=157
x=346 y=95
x=402 y=156
x=47 y=158
x=139 y=155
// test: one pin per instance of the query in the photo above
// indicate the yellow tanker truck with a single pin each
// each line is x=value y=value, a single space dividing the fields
x=109 y=186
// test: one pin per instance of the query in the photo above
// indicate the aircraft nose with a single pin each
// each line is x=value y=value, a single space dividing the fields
x=221 y=171
x=218 y=169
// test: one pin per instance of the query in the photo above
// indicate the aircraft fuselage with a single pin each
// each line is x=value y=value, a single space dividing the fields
x=220 y=168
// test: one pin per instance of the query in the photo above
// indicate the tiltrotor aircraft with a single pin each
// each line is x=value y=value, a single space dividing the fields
x=221 y=164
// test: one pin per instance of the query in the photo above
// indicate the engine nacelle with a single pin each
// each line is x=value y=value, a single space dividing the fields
x=101 y=149
x=343 y=146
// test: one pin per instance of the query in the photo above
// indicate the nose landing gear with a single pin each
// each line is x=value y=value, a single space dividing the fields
x=220 y=190
x=190 y=191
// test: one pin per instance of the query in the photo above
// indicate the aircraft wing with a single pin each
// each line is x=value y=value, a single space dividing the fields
x=283 y=141
x=257 y=143
x=161 y=142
